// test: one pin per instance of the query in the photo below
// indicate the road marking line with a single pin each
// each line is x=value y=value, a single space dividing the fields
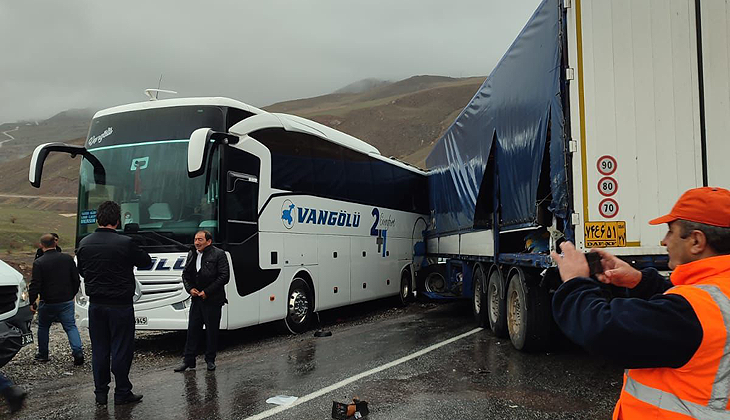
x=327 y=390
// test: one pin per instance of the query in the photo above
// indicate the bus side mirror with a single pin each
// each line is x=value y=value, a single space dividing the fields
x=197 y=151
x=41 y=153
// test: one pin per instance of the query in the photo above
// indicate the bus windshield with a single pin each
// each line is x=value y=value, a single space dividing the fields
x=144 y=155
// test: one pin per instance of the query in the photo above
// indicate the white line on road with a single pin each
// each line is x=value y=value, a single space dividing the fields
x=326 y=390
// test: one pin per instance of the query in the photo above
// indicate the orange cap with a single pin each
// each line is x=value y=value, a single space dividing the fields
x=708 y=205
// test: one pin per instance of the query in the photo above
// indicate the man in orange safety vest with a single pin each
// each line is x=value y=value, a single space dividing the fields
x=673 y=336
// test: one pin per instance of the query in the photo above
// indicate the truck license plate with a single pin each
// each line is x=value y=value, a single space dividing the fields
x=140 y=320
x=605 y=234
x=27 y=338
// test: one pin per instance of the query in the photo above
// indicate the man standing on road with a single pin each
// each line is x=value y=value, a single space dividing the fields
x=673 y=335
x=40 y=251
x=106 y=261
x=56 y=280
x=205 y=276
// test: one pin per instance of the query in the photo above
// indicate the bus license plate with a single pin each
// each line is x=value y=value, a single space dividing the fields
x=140 y=320
x=605 y=234
x=27 y=339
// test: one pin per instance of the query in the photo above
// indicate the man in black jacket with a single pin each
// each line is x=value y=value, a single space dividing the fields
x=40 y=251
x=56 y=280
x=106 y=262
x=205 y=276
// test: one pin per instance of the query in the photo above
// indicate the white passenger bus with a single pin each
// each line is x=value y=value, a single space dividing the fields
x=310 y=218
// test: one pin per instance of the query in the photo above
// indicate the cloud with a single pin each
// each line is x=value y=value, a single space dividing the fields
x=60 y=55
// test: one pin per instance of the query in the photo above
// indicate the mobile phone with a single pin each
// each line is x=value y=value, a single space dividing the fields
x=594 y=263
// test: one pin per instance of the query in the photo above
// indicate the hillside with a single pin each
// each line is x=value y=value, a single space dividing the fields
x=402 y=119
x=18 y=140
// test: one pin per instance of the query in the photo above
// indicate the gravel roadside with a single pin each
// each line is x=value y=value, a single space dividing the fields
x=155 y=349
x=152 y=349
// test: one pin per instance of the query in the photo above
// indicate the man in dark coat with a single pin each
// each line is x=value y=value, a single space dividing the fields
x=106 y=262
x=56 y=280
x=205 y=276
x=40 y=251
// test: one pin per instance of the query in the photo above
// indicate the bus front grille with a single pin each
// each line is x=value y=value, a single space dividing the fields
x=159 y=289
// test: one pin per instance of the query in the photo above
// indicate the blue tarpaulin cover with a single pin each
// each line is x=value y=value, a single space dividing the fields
x=515 y=106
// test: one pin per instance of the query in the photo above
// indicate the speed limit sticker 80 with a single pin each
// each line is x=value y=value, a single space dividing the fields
x=607 y=186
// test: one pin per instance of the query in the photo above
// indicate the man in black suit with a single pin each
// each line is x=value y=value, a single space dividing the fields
x=56 y=280
x=40 y=251
x=204 y=277
x=106 y=261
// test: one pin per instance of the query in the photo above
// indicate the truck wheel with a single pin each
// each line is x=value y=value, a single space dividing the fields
x=528 y=312
x=405 y=295
x=431 y=278
x=496 y=304
x=479 y=299
x=300 y=307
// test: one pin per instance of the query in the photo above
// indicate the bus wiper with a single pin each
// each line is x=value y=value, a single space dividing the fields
x=134 y=228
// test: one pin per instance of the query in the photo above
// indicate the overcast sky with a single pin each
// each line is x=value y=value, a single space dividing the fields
x=58 y=55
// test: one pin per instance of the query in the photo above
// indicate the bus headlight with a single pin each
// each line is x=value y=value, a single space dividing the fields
x=137 y=291
x=81 y=299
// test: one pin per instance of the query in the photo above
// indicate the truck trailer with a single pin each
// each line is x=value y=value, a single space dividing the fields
x=597 y=118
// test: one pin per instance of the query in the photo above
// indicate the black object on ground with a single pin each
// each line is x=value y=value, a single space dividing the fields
x=357 y=410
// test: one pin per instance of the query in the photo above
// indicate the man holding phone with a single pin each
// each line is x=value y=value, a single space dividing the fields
x=673 y=336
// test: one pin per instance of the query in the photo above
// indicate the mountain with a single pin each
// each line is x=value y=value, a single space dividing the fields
x=402 y=119
x=362 y=85
x=19 y=139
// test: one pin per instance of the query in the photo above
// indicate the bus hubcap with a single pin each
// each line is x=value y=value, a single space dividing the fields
x=298 y=306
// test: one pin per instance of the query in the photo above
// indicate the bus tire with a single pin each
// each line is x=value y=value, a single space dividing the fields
x=479 y=297
x=528 y=312
x=300 y=307
x=496 y=303
x=405 y=294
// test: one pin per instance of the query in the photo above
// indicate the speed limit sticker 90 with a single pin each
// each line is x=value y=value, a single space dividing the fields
x=607 y=186
x=608 y=207
x=606 y=165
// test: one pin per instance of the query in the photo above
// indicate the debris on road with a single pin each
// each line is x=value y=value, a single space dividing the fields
x=281 y=400
x=358 y=409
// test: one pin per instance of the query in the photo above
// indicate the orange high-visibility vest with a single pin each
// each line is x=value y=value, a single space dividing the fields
x=701 y=388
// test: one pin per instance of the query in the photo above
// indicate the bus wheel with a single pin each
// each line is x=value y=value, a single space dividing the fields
x=479 y=299
x=299 y=307
x=496 y=304
x=404 y=297
x=528 y=312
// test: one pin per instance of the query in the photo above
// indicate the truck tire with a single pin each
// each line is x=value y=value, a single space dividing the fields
x=496 y=303
x=528 y=312
x=300 y=307
x=479 y=297
x=431 y=278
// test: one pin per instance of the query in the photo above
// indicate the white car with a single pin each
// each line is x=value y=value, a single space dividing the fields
x=15 y=313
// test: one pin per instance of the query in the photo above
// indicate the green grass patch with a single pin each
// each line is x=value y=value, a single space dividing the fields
x=20 y=228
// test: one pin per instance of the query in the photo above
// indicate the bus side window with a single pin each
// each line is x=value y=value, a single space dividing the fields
x=329 y=169
x=291 y=161
x=242 y=186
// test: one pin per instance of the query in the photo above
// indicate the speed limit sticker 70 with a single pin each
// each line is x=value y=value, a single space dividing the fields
x=608 y=207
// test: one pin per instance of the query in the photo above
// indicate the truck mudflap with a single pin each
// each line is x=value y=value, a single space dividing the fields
x=15 y=333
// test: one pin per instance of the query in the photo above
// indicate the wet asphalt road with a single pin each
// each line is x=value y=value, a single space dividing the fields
x=475 y=377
